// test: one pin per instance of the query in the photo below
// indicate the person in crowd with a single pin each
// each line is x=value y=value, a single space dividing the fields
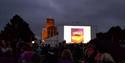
x=28 y=56
x=5 y=51
x=50 y=56
x=62 y=46
x=98 y=56
x=66 y=57
x=105 y=57
x=5 y=48
x=91 y=53
x=44 y=49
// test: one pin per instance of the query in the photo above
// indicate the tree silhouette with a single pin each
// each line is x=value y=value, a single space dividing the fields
x=111 y=42
x=17 y=29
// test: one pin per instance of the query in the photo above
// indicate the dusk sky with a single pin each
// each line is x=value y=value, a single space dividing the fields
x=101 y=14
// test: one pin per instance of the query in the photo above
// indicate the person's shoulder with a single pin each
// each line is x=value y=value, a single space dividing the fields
x=108 y=57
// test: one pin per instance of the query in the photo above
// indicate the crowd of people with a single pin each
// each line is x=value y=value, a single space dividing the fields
x=61 y=53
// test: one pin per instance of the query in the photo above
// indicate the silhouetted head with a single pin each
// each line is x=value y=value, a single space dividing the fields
x=66 y=54
x=64 y=42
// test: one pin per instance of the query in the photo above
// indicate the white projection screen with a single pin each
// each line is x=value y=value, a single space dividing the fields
x=77 y=34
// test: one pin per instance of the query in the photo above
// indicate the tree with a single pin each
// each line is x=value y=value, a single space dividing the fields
x=110 y=42
x=17 y=29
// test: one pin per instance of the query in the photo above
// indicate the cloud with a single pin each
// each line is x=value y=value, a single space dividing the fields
x=102 y=13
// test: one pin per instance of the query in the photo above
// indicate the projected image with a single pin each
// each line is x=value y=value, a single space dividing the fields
x=77 y=35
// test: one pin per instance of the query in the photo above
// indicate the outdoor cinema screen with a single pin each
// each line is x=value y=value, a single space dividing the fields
x=77 y=34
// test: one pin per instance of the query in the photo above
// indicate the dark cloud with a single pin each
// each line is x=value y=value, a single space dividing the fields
x=100 y=13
